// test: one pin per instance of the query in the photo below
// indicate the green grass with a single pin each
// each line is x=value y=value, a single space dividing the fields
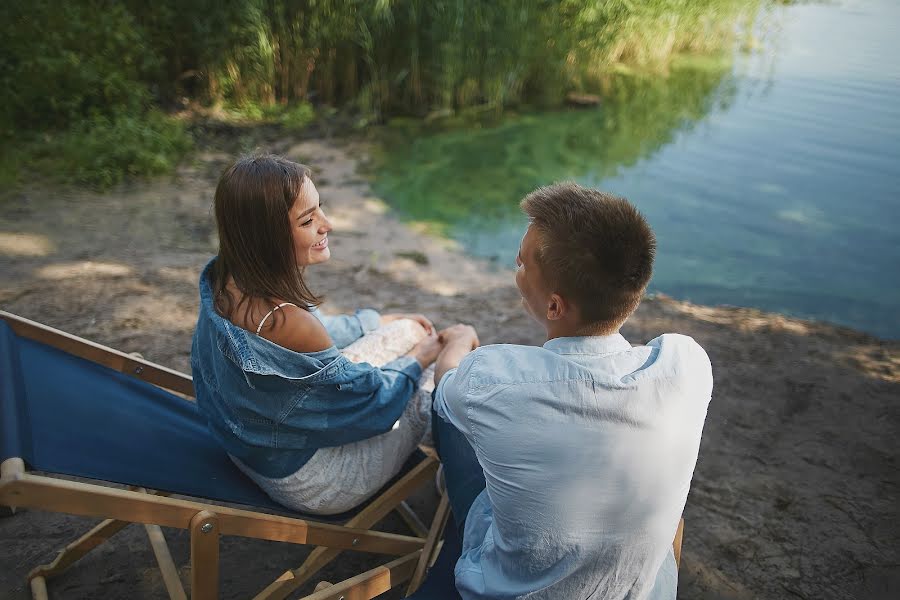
x=294 y=116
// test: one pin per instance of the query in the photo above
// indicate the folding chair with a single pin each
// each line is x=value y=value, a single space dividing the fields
x=129 y=430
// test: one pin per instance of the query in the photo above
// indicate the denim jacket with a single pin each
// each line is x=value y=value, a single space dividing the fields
x=272 y=408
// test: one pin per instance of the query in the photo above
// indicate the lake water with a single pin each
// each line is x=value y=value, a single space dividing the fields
x=772 y=180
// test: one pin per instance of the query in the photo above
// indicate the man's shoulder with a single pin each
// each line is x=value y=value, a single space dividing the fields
x=504 y=355
x=503 y=364
x=683 y=345
x=682 y=354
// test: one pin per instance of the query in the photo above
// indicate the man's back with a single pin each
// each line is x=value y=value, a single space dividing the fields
x=588 y=447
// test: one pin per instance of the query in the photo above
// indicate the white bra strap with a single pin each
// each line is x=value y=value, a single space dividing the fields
x=270 y=313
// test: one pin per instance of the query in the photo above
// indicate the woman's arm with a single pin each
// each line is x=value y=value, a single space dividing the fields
x=361 y=402
x=344 y=401
x=346 y=329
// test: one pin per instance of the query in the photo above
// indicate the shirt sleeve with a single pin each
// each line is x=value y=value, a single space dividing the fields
x=346 y=329
x=362 y=402
x=452 y=396
x=441 y=402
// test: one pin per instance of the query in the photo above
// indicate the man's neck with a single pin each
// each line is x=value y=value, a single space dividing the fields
x=558 y=329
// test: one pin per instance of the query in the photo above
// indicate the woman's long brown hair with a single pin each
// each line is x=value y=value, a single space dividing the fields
x=256 y=247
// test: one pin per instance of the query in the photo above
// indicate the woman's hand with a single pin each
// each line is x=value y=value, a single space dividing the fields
x=426 y=351
x=422 y=320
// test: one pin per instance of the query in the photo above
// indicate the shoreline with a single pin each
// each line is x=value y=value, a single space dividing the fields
x=798 y=472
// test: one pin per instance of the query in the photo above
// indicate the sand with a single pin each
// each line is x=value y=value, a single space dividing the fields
x=795 y=494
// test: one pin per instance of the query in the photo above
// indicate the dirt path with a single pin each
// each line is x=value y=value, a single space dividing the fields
x=796 y=491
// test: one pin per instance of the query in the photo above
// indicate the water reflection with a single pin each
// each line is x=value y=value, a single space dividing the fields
x=468 y=181
x=772 y=182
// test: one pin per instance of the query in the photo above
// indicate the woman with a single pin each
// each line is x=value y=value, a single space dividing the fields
x=317 y=429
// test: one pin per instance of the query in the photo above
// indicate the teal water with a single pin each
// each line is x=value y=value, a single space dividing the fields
x=772 y=180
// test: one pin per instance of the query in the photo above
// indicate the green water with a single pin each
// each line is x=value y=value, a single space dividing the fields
x=771 y=179
x=467 y=182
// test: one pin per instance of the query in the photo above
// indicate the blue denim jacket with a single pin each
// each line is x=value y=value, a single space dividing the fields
x=272 y=408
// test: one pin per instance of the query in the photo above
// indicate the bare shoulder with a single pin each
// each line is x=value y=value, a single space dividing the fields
x=298 y=330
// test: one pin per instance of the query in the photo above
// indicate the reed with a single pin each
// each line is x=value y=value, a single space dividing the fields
x=415 y=57
x=89 y=61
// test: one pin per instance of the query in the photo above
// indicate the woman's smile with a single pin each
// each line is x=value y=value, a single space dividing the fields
x=322 y=244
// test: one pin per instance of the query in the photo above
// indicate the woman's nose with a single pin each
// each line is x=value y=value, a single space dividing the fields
x=326 y=226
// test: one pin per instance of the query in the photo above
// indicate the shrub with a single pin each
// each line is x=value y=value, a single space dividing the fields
x=63 y=61
x=102 y=150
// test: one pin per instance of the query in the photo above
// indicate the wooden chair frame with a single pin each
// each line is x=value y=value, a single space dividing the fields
x=207 y=522
x=379 y=580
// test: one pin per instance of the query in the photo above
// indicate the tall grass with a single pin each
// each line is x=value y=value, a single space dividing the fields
x=415 y=56
x=96 y=61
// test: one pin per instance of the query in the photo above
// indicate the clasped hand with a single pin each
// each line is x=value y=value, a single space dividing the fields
x=446 y=347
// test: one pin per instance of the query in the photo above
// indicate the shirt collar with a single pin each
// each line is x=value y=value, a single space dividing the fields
x=591 y=344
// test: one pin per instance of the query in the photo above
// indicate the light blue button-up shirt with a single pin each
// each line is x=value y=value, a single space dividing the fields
x=588 y=447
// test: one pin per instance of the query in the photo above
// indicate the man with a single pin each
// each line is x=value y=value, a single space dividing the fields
x=585 y=447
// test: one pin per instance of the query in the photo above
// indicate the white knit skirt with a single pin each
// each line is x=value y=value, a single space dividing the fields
x=339 y=478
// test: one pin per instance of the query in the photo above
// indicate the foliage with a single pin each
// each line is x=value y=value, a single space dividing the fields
x=63 y=61
x=650 y=33
x=413 y=57
x=69 y=67
x=294 y=116
x=103 y=150
x=75 y=83
x=66 y=60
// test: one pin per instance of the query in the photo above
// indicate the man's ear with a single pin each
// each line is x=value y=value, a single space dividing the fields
x=557 y=307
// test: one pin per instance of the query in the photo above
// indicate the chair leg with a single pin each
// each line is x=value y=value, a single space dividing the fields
x=78 y=549
x=166 y=564
x=204 y=556
x=9 y=468
x=315 y=562
x=412 y=519
x=72 y=553
x=321 y=556
x=369 y=516
x=676 y=544
x=370 y=584
x=431 y=543
x=39 y=589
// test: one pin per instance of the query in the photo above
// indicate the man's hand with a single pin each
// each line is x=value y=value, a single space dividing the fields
x=422 y=320
x=458 y=340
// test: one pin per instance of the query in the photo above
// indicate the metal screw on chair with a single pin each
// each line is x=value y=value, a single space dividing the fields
x=355 y=541
x=139 y=370
x=206 y=527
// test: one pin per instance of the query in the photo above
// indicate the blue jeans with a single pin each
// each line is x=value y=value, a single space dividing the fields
x=465 y=480
x=462 y=472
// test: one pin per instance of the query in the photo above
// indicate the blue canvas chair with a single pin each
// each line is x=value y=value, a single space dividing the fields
x=71 y=407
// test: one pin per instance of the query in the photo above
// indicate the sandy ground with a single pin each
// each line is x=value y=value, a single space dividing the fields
x=796 y=490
